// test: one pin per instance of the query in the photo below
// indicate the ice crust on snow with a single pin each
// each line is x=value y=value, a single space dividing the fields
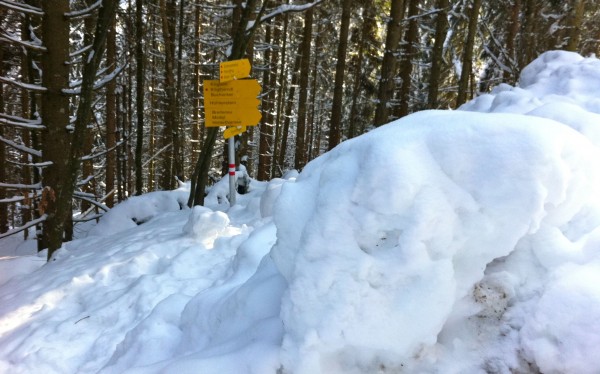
x=446 y=242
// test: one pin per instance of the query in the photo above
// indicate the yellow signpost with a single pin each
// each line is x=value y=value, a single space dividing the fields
x=233 y=131
x=232 y=101
x=236 y=69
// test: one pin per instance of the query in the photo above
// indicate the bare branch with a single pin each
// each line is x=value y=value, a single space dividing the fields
x=23 y=8
x=24 y=227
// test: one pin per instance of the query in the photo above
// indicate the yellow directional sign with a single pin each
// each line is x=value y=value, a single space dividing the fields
x=236 y=69
x=247 y=88
x=231 y=103
x=233 y=131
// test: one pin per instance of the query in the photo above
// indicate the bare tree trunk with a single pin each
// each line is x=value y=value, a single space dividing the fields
x=196 y=83
x=3 y=207
x=576 y=19
x=410 y=52
x=288 y=112
x=467 y=60
x=55 y=108
x=388 y=66
x=172 y=163
x=437 y=59
x=139 y=96
x=55 y=116
x=266 y=127
x=513 y=31
x=300 y=155
x=111 y=118
x=280 y=99
x=335 y=130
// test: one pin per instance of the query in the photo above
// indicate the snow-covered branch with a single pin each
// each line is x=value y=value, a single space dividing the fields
x=20 y=186
x=81 y=196
x=96 y=155
x=24 y=227
x=27 y=86
x=21 y=122
x=21 y=147
x=7 y=37
x=76 y=90
x=286 y=8
x=86 y=12
x=23 y=8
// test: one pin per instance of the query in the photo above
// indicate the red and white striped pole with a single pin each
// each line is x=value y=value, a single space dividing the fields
x=232 y=189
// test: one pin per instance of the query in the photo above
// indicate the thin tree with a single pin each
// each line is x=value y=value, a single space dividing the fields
x=388 y=65
x=437 y=59
x=467 y=59
x=300 y=154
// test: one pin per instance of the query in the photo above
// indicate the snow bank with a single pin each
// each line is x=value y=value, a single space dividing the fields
x=393 y=231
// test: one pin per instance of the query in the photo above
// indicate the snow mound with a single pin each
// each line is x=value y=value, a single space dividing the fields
x=393 y=231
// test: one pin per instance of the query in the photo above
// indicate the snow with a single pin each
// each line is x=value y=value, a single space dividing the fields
x=460 y=241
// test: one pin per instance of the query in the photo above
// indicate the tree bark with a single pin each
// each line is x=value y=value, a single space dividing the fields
x=300 y=154
x=266 y=127
x=55 y=116
x=437 y=59
x=576 y=19
x=410 y=52
x=467 y=60
x=61 y=177
x=172 y=162
x=111 y=118
x=388 y=65
x=139 y=96
x=340 y=69
x=3 y=207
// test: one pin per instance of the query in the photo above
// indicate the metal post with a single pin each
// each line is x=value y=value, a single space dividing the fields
x=232 y=189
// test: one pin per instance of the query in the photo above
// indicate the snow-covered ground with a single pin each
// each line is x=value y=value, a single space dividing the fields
x=446 y=242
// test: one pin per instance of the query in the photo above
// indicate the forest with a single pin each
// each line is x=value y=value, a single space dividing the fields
x=103 y=99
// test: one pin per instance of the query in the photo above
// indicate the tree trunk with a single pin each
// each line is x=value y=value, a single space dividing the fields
x=388 y=65
x=437 y=58
x=576 y=19
x=467 y=60
x=513 y=31
x=340 y=68
x=410 y=52
x=300 y=154
x=288 y=112
x=172 y=163
x=111 y=118
x=280 y=99
x=196 y=84
x=266 y=127
x=3 y=207
x=61 y=177
x=55 y=116
x=139 y=96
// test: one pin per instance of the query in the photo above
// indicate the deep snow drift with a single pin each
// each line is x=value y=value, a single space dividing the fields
x=445 y=242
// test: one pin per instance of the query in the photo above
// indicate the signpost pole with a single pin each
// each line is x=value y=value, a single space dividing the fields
x=232 y=189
